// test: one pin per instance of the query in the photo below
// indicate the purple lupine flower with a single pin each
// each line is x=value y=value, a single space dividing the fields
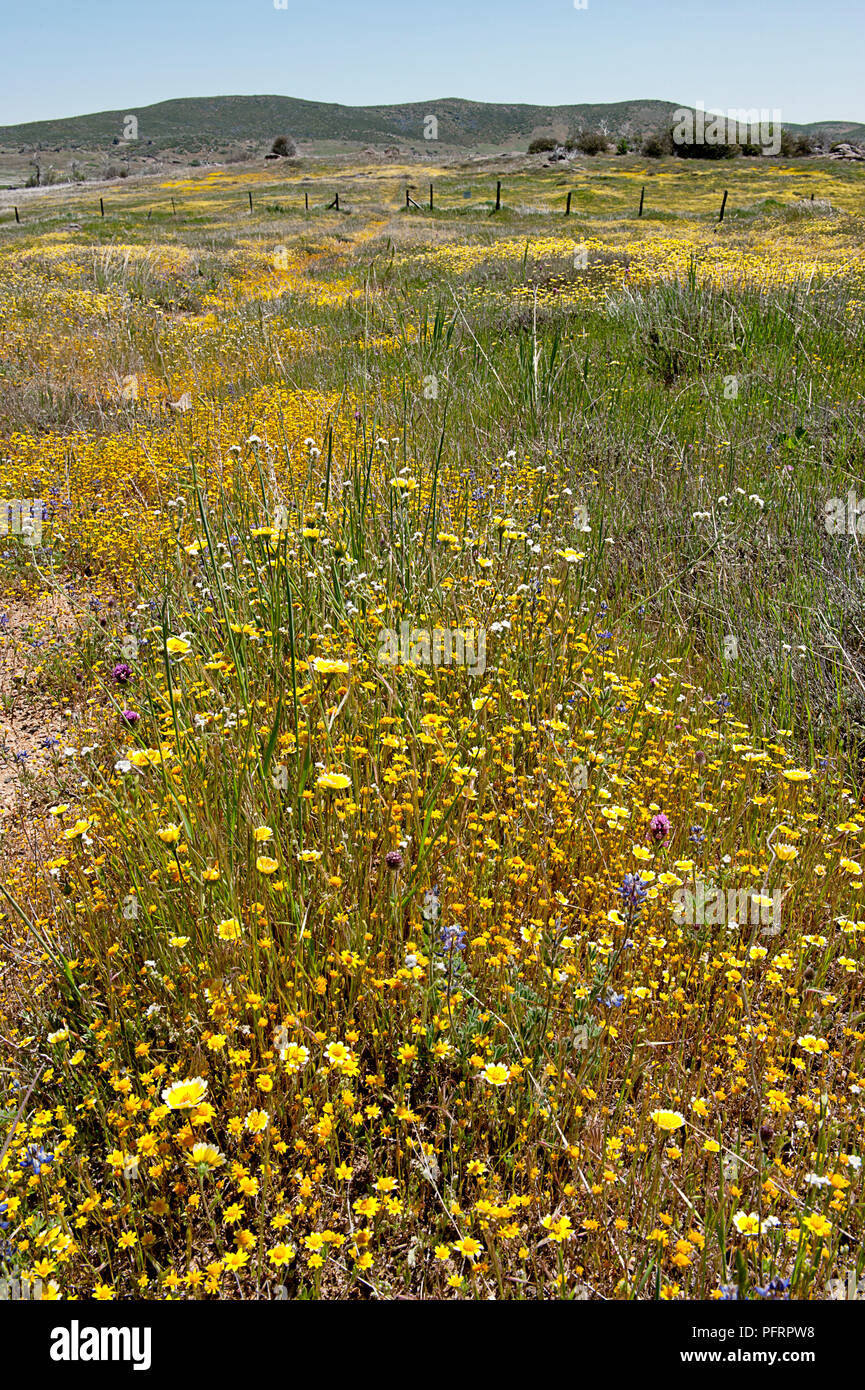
x=121 y=673
x=776 y=1289
x=37 y=1158
x=452 y=939
x=634 y=891
x=130 y=717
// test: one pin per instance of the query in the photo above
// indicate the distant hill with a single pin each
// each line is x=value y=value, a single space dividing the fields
x=194 y=123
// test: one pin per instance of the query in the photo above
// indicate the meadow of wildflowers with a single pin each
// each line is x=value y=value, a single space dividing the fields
x=330 y=976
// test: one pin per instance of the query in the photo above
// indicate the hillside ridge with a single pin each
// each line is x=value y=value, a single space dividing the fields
x=189 y=122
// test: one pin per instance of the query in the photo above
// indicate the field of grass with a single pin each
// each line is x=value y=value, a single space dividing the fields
x=329 y=969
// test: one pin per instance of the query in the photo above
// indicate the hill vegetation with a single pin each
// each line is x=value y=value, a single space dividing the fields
x=192 y=123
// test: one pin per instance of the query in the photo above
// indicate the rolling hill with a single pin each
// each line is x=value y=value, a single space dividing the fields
x=194 y=123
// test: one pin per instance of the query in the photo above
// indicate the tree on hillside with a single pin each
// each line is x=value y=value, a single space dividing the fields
x=657 y=143
x=592 y=142
x=285 y=146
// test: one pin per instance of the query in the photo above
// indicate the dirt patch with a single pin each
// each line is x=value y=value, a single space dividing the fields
x=33 y=728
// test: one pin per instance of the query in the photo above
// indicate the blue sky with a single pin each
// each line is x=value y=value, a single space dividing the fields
x=801 y=57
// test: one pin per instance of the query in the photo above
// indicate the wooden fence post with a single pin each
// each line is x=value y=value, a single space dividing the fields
x=250 y=202
x=17 y=218
x=498 y=196
x=723 y=205
x=568 y=204
x=431 y=198
x=642 y=196
x=101 y=208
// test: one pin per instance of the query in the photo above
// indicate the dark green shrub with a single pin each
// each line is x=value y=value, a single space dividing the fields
x=592 y=142
x=656 y=144
x=285 y=146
